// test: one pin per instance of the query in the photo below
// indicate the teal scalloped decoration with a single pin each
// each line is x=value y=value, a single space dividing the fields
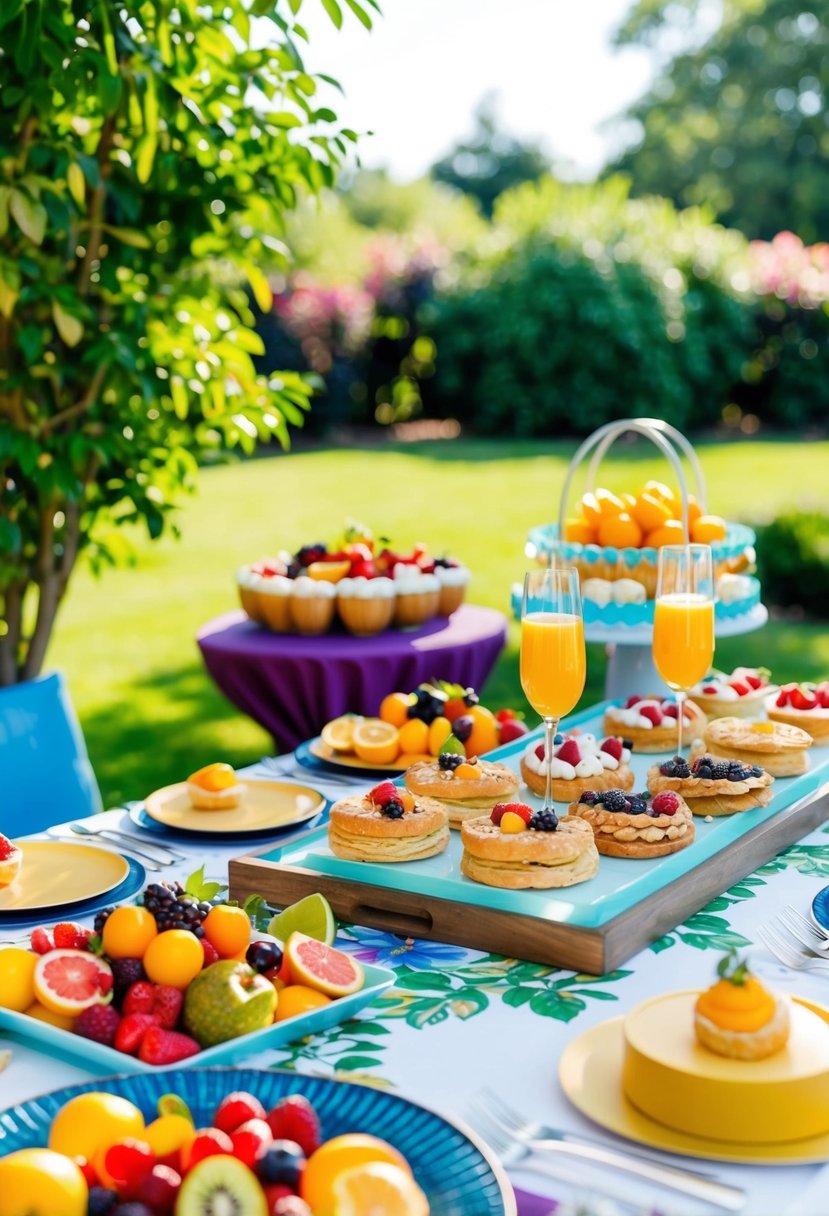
x=629 y=616
x=544 y=537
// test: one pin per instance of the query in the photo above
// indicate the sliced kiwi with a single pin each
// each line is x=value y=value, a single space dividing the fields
x=221 y=1186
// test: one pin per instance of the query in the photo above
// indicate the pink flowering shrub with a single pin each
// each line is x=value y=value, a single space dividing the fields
x=786 y=268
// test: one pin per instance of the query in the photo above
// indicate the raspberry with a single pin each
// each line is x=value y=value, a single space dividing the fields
x=385 y=792
x=665 y=803
x=516 y=808
x=250 y=1141
x=544 y=821
x=41 y=941
x=498 y=811
x=614 y=800
x=539 y=751
x=128 y=1161
x=294 y=1118
x=653 y=714
x=99 y=1023
x=211 y=954
x=71 y=937
x=613 y=747
x=235 y=1109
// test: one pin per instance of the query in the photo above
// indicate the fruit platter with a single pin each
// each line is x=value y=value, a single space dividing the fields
x=181 y=975
x=411 y=727
x=268 y=1143
x=357 y=584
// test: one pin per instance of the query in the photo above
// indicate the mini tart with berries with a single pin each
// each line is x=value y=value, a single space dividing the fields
x=215 y=788
x=517 y=848
x=782 y=749
x=464 y=787
x=11 y=859
x=580 y=762
x=636 y=825
x=387 y=824
x=803 y=705
x=650 y=722
x=738 y=1017
x=711 y=786
x=739 y=695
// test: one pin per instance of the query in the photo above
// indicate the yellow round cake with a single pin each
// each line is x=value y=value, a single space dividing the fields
x=669 y=1076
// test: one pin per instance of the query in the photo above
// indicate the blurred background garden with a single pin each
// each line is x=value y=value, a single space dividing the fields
x=443 y=336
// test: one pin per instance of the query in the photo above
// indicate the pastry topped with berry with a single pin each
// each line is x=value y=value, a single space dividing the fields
x=466 y=787
x=11 y=859
x=738 y=1017
x=651 y=722
x=516 y=847
x=739 y=695
x=636 y=825
x=711 y=786
x=580 y=762
x=215 y=788
x=803 y=705
x=781 y=748
x=387 y=824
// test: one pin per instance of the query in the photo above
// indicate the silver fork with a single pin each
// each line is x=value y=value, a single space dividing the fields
x=149 y=862
x=539 y=1153
x=788 y=954
x=283 y=766
x=159 y=852
x=809 y=936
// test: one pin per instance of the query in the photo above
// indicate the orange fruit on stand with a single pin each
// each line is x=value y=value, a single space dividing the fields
x=579 y=531
x=622 y=531
x=128 y=932
x=321 y=967
x=669 y=533
x=376 y=741
x=395 y=708
x=708 y=528
x=63 y=1021
x=227 y=929
x=328 y=572
x=609 y=503
x=69 y=981
x=650 y=512
x=335 y=1157
x=174 y=958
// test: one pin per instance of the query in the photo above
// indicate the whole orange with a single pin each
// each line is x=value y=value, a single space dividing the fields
x=395 y=708
x=227 y=929
x=622 y=531
x=707 y=528
x=297 y=998
x=128 y=932
x=669 y=533
x=579 y=531
x=484 y=731
x=175 y=958
x=414 y=737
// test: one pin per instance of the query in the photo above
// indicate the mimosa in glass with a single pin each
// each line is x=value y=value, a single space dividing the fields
x=683 y=620
x=553 y=663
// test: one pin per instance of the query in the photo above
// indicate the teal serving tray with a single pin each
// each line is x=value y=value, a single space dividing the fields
x=594 y=925
x=103 y=1061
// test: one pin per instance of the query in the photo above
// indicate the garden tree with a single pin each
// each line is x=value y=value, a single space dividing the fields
x=149 y=150
x=738 y=122
x=491 y=162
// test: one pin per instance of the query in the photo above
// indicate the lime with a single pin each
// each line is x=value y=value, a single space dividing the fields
x=311 y=916
x=172 y=1104
x=452 y=746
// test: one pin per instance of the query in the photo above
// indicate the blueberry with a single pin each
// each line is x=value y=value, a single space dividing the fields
x=756 y=770
x=283 y=1162
x=589 y=798
x=393 y=809
x=558 y=739
x=100 y=1201
x=264 y=956
x=449 y=761
x=543 y=821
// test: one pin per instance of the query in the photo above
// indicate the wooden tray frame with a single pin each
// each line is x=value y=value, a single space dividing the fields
x=593 y=951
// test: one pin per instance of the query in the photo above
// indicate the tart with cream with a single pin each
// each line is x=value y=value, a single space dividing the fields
x=453 y=579
x=803 y=705
x=650 y=722
x=11 y=859
x=215 y=788
x=738 y=1017
x=739 y=695
x=580 y=762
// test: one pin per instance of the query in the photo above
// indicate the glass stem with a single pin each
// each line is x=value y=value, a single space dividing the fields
x=680 y=701
x=550 y=730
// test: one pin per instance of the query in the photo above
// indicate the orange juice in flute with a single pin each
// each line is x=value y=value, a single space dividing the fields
x=683 y=619
x=553 y=664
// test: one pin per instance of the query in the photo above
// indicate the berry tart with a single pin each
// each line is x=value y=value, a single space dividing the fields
x=740 y=1019
x=11 y=859
x=387 y=824
x=215 y=788
x=781 y=749
x=739 y=695
x=711 y=786
x=453 y=579
x=417 y=595
x=579 y=763
x=515 y=847
x=464 y=787
x=803 y=705
x=366 y=605
x=636 y=825
x=650 y=722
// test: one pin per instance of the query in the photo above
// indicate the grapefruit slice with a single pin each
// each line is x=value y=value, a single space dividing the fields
x=322 y=967
x=69 y=981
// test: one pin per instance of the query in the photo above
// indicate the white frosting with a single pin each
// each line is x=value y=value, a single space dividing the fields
x=632 y=717
x=733 y=587
x=593 y=760
x=628 y=591
x=366 y=588
x=452 y=576
x=277 y=585
x=245 y=577
x=715 y=688
x=410 y=580
x=598 y=590
x=305 y=588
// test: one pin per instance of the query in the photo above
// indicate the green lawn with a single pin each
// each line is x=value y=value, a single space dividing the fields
x=126 y=641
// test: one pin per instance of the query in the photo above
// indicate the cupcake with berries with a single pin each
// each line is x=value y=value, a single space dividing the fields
x=366 y=605
x=651 y=722
x=312 y=604
x=453 y=579
x=803 y=705
x=711 y=786
x=11 y=859
x=739 y=695
x=417 y=595
x=636 y=825
x=517 y=848
x=579 y=763
x=388 y=824
x=466 y=787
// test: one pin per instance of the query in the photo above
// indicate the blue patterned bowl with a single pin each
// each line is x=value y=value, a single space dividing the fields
x=459 y=1174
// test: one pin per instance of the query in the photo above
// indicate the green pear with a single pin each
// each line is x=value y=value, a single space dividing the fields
x=225 y=1000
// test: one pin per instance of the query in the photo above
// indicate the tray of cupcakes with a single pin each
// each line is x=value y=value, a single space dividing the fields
x=640 y=838
x=357 y=583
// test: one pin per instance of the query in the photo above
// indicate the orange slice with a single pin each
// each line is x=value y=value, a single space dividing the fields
x=335 y=1157
x=69 y=981
x=214 y=777
x=378 y=1187
x=315 y=965
x=328 y=572
x=376 y=741
x=338 y=734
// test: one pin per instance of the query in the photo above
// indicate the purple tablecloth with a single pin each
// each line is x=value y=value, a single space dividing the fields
x=293 y=685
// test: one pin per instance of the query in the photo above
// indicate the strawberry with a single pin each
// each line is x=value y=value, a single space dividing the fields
x=128 y=1161
x=753 y=680
x=99 y=1023
x=277 y=1195
x=822 y=694
x=665 y=803
x=69 y=936
x=41 y=941
x=671 y=710
x=613 y=747
x=250 y=1141
x=513 y=729
x=160 y=1046
x=211 y=954
x=631 y=701
x=539 y=751
x=167 y=1005
x=208 y=1142
x=385 y=792
x=235 y=1109
x=652 y=713
x=517 y=808
x=294 y=1118
x=505 y=715
x=140 y=998
x=803 y=698
x=569 y=752
x=130 y=1033
x=498 y=812
x=741 y=687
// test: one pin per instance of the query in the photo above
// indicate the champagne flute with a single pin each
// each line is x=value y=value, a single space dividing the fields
x=553 y=661
x=683 y=620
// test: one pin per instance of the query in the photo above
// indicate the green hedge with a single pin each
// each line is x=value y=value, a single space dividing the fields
x=793 y=562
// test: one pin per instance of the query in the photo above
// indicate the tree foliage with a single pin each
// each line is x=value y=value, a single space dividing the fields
x=739 y=122
x=149 y=150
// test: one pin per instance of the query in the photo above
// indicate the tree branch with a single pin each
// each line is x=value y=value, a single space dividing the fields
x=96 y=206
x=80 y=407
x=10 y=640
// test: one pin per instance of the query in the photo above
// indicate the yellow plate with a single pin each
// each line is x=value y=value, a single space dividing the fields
x=264 y=805
x=590 y=1073
x=56 y=873
x=348 y=760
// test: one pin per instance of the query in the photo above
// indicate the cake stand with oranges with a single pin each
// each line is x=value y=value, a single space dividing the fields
x=613 y=540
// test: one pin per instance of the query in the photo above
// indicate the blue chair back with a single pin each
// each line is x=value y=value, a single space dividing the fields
x=45 y=773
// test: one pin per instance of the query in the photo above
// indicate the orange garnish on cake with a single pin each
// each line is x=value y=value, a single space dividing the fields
x=214 y=777
x=215 y=788
x=738 y=1017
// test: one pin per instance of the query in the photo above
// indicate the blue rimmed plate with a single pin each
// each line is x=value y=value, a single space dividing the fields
x=459 y=1174
x=132 y=883
x=146 y=823
x=820 y=910
x=316 y=756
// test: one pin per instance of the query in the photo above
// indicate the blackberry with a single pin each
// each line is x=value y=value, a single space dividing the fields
x=720 y=772
x=543 y=821
x=628 y=743
x=449 y=761
x=614 y=800
x=393 y=809
x=125 y=973
x=101 y=919
x=589 y=798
